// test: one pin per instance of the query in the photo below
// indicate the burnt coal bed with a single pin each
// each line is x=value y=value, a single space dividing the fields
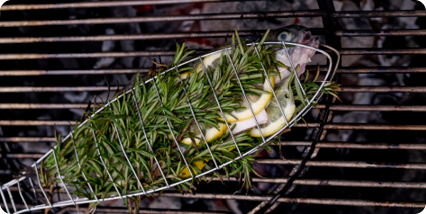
x=12 y=166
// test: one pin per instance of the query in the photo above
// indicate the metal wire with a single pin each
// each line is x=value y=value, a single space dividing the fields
x=218 y=104
x=79 y=165
x=60 y=177
x=195 y=118
x=146 y=137
x=125 y=155
x=22 y=197
x=41 y=187
x=4 y=200
x=171 y=130
x=11 y=199
x=270 y=84
x=103 y=163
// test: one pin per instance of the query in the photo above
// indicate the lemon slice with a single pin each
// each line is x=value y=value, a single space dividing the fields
x=185 y=75
x=257 y=104
x=276 y=120
x=210 y=60
x=185 y=172
x=210 y=134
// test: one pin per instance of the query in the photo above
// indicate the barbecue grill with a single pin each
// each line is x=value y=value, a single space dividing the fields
x=379 y=175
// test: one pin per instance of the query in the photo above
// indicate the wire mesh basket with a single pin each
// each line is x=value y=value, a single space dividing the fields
x=73 y=200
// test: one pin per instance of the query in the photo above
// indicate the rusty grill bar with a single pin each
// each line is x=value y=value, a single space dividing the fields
x=229 y=16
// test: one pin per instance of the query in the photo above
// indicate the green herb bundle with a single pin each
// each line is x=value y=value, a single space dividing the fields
x=120 y=122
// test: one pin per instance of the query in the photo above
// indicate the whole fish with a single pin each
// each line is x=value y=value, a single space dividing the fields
x=190 y=118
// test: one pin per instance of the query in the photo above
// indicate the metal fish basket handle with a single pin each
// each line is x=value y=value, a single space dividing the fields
x=5 y=188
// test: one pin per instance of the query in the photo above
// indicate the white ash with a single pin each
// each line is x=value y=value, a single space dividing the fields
x=107 y=46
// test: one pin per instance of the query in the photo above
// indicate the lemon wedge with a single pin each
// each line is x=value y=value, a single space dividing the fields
x=276 y=120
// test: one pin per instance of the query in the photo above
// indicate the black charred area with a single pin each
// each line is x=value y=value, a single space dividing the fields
x=325 y=25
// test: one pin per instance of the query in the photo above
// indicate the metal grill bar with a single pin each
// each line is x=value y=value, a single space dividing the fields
x=374 y=108
x=323 y=182
x=145 y=70
x=42 y=106
x=17 y=89
x=399 y=32
x=356 y=126
x=373 y=51
x=27 y=139
x=102 y=4
x=217 y=34
x=344 y=202
x=85 y=55
x=345 y=164
x=370 y=51
x=126 y=20
x=347 y=202
x=345 y=183
x=408 y=89
x=344 y=89
x=369 y=14
x=200 y=17
x=348 y=145
x=123 y=210
x=70 y=72
x=386 y=70
x=320 y=106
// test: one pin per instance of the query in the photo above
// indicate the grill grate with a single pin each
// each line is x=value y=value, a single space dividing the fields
x=10 y=139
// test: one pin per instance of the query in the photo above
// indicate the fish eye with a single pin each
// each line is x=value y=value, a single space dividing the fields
x=284 y=36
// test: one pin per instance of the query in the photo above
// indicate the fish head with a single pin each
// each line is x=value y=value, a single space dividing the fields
x=299 y=55
x=291 y=33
